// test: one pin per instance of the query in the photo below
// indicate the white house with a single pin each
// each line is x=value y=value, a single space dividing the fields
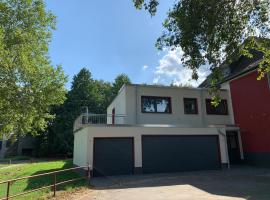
x=151 y=129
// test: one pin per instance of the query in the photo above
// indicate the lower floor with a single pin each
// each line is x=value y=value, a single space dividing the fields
x=117 y=150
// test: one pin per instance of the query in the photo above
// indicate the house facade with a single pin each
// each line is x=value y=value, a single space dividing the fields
x=250 y=100
x=150 y=129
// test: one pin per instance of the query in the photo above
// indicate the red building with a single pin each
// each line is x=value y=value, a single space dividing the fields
x=251 y=106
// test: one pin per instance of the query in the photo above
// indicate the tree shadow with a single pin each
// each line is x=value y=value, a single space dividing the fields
x=245 y=182
x=37 y=182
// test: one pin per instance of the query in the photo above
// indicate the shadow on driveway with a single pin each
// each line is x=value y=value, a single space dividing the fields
x=243 y=182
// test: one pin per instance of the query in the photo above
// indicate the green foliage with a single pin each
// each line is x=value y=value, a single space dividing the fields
x=29 y=84
x=119 y=81
x=213 y=31
x=85 y=92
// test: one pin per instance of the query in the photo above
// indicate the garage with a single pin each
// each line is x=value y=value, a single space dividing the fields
x=113 y=156
x=171 y=153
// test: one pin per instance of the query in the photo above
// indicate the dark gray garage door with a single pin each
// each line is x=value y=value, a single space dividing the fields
x=113 y=156
x=163 y=154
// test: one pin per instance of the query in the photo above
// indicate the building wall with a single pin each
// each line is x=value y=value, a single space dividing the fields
x=81 y=148
x=135 y=116
x=84 y=138
x=251 y=105
x=119 y=104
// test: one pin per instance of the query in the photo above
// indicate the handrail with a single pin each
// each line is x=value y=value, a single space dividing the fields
x=53 y=186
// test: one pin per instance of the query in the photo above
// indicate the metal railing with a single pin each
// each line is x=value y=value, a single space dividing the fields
x=52 y=186
x=103 y=119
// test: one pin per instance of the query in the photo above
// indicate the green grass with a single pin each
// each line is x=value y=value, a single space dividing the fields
x=20 y=170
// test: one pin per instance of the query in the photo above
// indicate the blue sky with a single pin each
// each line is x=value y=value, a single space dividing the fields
x=112 y=37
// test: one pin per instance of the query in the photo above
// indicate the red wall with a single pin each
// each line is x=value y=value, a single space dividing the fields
x=251 y=105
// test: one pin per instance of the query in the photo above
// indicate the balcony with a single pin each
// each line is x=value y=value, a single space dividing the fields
x=98 y=119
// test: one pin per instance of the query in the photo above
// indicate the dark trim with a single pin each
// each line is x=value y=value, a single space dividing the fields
x=133 y=149
x=113 y=116
x=261 y=159
x=196 y=106
x=138 y=170
x=157 y=97
x=222 y=100
x=217 y=137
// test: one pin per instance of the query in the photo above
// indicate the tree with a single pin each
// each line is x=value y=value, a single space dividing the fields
x=119 y=81
x=214 y=31
x=84 y=92
x=30 y=85
x=59 y=136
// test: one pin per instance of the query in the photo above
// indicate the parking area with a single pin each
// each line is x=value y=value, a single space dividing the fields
x=239 y=183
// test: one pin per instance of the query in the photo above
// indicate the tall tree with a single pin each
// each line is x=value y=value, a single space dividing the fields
x=29 y=84
x=213 y=32
x=119 y=81
x=83 y=94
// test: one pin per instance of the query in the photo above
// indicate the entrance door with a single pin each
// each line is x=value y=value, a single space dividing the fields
x=233 y=147
x=113 y=115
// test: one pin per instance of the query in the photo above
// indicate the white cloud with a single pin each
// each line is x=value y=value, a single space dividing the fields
x=145 y=67
x=171 y=70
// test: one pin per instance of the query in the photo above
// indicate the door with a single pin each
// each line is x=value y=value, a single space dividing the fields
x=113 y=116
x=113 y=156
x=162 y=154
x=233 y=147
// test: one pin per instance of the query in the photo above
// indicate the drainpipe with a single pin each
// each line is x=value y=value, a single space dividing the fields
x=136 y=103
x=226 y=147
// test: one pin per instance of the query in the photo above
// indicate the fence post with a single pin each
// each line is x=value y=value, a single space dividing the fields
x=8 y=188
x=54 y=184
x=88 y=174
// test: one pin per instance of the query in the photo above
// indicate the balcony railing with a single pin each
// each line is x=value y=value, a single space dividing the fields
x=103 y=119
x=97 y=119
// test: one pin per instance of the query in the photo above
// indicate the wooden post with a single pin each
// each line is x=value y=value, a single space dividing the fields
x=88 y=174
x=54 y=185
x=8 y=188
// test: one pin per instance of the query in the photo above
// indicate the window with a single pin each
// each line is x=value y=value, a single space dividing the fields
x=190 y=106
x=221 y=109
x=152 y=104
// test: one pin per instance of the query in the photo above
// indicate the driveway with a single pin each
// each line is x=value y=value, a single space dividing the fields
x=235 y=184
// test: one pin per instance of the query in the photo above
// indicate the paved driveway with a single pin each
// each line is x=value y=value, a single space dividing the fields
x=236 y=184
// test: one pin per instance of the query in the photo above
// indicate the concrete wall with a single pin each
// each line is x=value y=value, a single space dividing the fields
x=84 y=138
x=119 y=104
x=81 y=147
x=132 y=103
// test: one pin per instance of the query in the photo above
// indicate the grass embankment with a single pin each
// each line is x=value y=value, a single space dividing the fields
x=21 y=170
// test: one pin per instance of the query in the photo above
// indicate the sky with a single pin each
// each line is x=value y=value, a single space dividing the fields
x=110 y=37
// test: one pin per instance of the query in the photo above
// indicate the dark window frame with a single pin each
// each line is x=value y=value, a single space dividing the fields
x=209 y=111
x=157 y=97
x=196 y=106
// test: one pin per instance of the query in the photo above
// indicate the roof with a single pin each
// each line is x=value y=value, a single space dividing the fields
x=237 y=68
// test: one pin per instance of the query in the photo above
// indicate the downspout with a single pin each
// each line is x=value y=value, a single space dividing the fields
x=203 y=108
x=226 y=147
x=136 y=101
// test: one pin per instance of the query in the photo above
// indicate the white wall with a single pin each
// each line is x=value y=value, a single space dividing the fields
x=135 y=116
x=81 y=147
x=83 y=153
x=119 y=104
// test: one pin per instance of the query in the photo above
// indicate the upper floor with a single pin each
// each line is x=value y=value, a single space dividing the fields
x=151 y=104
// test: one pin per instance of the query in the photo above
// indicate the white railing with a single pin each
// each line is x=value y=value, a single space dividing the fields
x=96 y=119
x=103 y=119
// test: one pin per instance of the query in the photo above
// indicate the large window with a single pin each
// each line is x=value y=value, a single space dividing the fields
x=221 y=109
x=152 y=104
x=190 y=106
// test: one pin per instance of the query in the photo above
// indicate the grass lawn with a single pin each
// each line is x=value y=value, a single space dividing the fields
x=20 y=170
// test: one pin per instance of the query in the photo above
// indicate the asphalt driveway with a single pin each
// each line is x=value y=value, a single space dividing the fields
x=236 y=184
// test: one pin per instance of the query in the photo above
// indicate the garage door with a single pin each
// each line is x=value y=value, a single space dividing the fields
x=113 y=156
x=163 y=154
